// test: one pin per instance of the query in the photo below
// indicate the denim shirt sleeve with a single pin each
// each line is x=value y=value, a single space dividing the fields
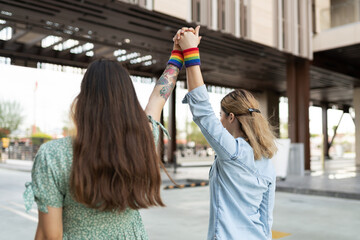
x=223 y=143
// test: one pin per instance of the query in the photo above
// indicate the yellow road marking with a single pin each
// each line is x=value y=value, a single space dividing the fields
x=277 y=235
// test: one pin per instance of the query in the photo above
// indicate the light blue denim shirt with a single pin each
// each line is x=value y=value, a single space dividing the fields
x=242 y=189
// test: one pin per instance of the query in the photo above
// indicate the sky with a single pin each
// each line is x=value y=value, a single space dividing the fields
x=48 y=105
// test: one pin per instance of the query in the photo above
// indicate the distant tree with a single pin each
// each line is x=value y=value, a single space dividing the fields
x=314 y=135
x=4 y=132
x=10 y=117
x=284 y=130
x=40 y=138
x=195 y=134
x=178 y=131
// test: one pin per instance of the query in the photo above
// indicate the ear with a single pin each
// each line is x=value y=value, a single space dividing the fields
x=231 y=117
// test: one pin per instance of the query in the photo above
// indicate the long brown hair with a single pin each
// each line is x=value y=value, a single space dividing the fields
x=257 y=129
x=115 y=164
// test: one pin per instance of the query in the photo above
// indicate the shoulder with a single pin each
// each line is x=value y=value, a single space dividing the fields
x=244 y=155
x=56 y=146
x=245 y=150
x=54 y=152
x=61 y=142
x=266 y=169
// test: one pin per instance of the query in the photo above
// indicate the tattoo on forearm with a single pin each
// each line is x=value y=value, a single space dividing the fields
x=166 y=91
x=168 y=80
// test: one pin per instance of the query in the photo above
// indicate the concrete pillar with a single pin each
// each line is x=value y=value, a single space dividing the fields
x=172 y=127
x=298 y=93
x=356 y=104
x=269 y=107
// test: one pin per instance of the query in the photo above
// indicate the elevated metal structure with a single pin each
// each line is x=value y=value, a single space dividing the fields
x=112 y=25
x=83 y=30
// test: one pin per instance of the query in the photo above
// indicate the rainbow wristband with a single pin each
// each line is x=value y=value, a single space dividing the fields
x=192 y=57
x=176 y=59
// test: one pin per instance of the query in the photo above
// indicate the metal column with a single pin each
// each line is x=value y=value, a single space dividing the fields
x=172 y=127
x=161 y=149
x=326 y=145
x=298 y=93
x=356 y=104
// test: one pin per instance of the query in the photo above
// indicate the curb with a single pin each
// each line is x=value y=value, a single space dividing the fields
x=14 y=168
x=315 y=192
x=197 y=182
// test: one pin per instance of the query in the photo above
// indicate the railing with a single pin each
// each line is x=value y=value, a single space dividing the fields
x=19 y=152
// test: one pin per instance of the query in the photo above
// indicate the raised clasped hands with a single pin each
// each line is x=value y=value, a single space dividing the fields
x=186 y=38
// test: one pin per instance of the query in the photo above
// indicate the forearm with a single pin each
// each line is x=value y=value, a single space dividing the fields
x=41 y=236
x=162 y=90
x=194 y=77
x=50 y=225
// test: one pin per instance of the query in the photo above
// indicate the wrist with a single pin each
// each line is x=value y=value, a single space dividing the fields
x=178 y=48
x=176 y=58
x=191 y=57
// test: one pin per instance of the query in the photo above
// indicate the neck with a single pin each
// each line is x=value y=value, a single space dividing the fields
x=238 y=133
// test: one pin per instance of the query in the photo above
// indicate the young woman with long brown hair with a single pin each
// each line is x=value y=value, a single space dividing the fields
x=91 y=186
x=242 y=178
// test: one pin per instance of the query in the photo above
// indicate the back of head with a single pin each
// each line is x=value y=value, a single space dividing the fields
x=257 y=129
x=115 y=164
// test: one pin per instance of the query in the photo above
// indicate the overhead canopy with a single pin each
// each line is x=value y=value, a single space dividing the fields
x=341 y=66
x=83 y=30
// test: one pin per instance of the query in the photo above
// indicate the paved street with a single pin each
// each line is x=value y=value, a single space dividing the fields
x=186 y=214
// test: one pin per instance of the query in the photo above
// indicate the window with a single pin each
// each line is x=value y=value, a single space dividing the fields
x=6 y=33
x=221 y=14
x=196 y=11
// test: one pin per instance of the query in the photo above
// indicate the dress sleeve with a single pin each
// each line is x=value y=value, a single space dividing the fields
x=155 y=129
x=223 y=143
x=44 y=188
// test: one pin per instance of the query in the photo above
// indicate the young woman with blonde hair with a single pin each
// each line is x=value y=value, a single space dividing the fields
x=242 y=178
x=92 y=185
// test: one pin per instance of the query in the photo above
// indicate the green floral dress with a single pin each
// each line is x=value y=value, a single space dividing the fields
x=50 y=187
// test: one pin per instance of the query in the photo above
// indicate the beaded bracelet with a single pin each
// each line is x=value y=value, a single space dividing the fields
x=192 y=57
x=176 y=59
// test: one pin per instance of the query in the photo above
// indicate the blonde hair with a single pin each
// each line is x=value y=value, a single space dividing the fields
x=258 y=131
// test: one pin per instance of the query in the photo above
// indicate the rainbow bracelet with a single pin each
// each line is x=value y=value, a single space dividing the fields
x=192 y=57
x=176 y=59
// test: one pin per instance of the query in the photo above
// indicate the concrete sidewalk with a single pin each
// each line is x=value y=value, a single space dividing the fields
x=340 y=178
x=340 y=182
x=186 y=214
x=18 y=165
